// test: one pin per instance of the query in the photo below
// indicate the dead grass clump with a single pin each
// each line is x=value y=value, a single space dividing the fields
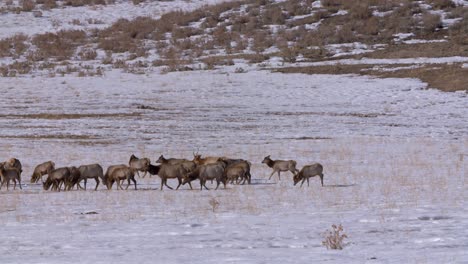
x=361 y=10
x=214 y=203
x=185 y=32
x=87 y=54
x=22 y=67
x=60 y=45
x=27 y=5
x=298 y=7
x=76 y=3
x=14 y=46
x=334 y=238
x=49 y=4
x=442 y=4
x=431 y=22
x=273 y=16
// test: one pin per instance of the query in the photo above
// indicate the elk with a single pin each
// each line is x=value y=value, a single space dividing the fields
x=309 y=171
x=171 y=161
x=232 y=170
x=168 y=171
x=9 y=173
x=92 y=171
x=154 y=170
x=280 y=165
x=197 y=158
x=73 y=179
x=14 y=163
x=139 y=164
x=208 y=172
x=110 y=170
x=187 y=164
x=56 y=177
x=41 y=170
x=117 y=174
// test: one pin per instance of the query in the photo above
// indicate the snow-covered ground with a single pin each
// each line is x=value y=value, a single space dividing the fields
x=394 y=157
x=100 y=16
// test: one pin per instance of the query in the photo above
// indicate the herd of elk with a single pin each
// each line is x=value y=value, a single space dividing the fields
x=223 y=170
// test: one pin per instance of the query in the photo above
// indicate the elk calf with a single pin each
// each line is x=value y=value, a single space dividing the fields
x=309 y=171
x=280 y=165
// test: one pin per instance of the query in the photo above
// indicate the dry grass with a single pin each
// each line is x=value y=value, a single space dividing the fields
x=334 y=238
x=445 y=77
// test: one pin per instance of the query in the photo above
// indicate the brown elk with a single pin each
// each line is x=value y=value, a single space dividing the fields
x=214 y=171
x=41 y=170
x=110 y=170
x=309 y=171
x=73 y=179
x=171 y=161
x=154 y=169
x=92 y=171
x=56 y=178
x=139 y=164
x=197 y=158
x=280 y=165
x=235 y=167
x=187 y=164
x=168 y=171
x=118 y=174
x=8 y=174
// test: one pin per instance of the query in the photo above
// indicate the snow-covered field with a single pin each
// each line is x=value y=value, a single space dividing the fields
x=394 y=157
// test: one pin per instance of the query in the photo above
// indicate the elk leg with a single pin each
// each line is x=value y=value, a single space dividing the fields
x=145 y=174
x=303 y=180
x=128 y=183
x=217 y=184
x=165 y=183
x=97 y=183
x=134 y=182
x=8 y=185
x=85 y=182
x=14 y=186
x=307 y=181
x=271 y=175
x=190 y=184
x=321 y=179
x=180 y=183
x=279 y=177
